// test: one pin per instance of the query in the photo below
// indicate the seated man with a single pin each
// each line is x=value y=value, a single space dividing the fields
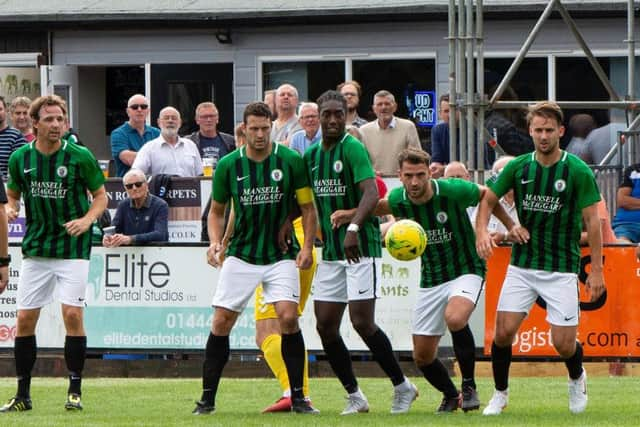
x=626 y=223
x=140 y=218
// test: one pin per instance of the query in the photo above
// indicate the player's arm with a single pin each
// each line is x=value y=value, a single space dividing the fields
x=366 y=206
x=344 y=216
x=484 y=243
x=12 y=208
x=595 y=280
x=304 y=196
x=80 y=225
x=515 y=233
x=231 y=225
x=215 y=225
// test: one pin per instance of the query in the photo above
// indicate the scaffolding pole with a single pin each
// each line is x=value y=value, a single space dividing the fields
x=468 y=101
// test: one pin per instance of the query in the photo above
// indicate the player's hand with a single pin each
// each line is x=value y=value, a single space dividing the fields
x=11 y=212
x=484 y=244
x=518 y=234
x=78 y=226
x=284 y=236
x=304 y=260
x=498 y=237
x=341 y=217
x=595 y=284
x=351 y=249
x=215 y=255
x=4 y=278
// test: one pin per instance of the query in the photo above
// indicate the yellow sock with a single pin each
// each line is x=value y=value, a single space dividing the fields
x=305 y=375
x=272 y=354
x=271 y=348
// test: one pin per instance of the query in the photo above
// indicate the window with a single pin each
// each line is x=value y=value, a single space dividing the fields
x=529 y=82
x=310 y=78
x=402 y=77
x=185 y=96
x=122 y=83
x=587 y=88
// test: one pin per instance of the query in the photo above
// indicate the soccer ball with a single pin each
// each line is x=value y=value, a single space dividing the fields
x=405 y=240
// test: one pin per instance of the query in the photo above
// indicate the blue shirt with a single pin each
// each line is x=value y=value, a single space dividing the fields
x=150 y=223
x=631 y=179
x=127 y=138
x=440 y=143
x=440 y=147
x=300 y=142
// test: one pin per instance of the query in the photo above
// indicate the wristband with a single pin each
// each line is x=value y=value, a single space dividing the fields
x=354 y=228
x=4 y=261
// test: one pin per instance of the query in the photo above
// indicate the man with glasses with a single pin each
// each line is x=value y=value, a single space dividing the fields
x=140 y=218
x=127 y=139
x=352 y=91
x=211 y=143
x=310 y=133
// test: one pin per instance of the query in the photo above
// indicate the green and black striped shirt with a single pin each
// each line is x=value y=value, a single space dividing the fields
x=54 y=189
x=335 y=175
x=549 y=200
x=263 y=194
x=451 y=250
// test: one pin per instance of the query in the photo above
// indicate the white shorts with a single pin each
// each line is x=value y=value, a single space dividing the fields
x=43 y=278
x=522 y=287
x=339 y=281
x=428 y=314
x=239 y=279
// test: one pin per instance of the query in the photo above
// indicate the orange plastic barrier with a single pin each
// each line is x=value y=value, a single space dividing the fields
x=609 y=327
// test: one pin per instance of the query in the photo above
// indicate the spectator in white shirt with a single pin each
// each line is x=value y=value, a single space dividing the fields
x=169 y=153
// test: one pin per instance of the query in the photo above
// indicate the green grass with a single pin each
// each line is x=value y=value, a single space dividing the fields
x=167 y=402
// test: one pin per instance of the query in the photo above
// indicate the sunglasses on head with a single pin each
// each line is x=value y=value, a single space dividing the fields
x=138 y=106
x=137 y=184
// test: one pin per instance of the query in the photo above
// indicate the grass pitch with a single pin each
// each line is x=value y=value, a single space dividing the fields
x=168 y=402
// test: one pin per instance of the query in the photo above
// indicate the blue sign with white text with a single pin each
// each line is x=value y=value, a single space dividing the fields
x=424 y=108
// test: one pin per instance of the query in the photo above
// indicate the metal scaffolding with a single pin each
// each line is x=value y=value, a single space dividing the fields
x=467 y=97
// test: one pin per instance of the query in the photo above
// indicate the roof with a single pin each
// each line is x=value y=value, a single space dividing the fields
x=75 y=10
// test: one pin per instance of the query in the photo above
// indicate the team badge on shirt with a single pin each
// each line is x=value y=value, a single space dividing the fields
x=560 y=185
x=62 y=171
x=442 y=217
x=338 y=166
x=276 y=175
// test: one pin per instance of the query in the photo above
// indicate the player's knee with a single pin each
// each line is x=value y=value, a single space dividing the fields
x=503 y=338
x=565 y=349
x=73 y=319
x=364 y=327
x=289 y=322
x=455 y=321
x=327 y=331
x=423 y=358
x=26 y=323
